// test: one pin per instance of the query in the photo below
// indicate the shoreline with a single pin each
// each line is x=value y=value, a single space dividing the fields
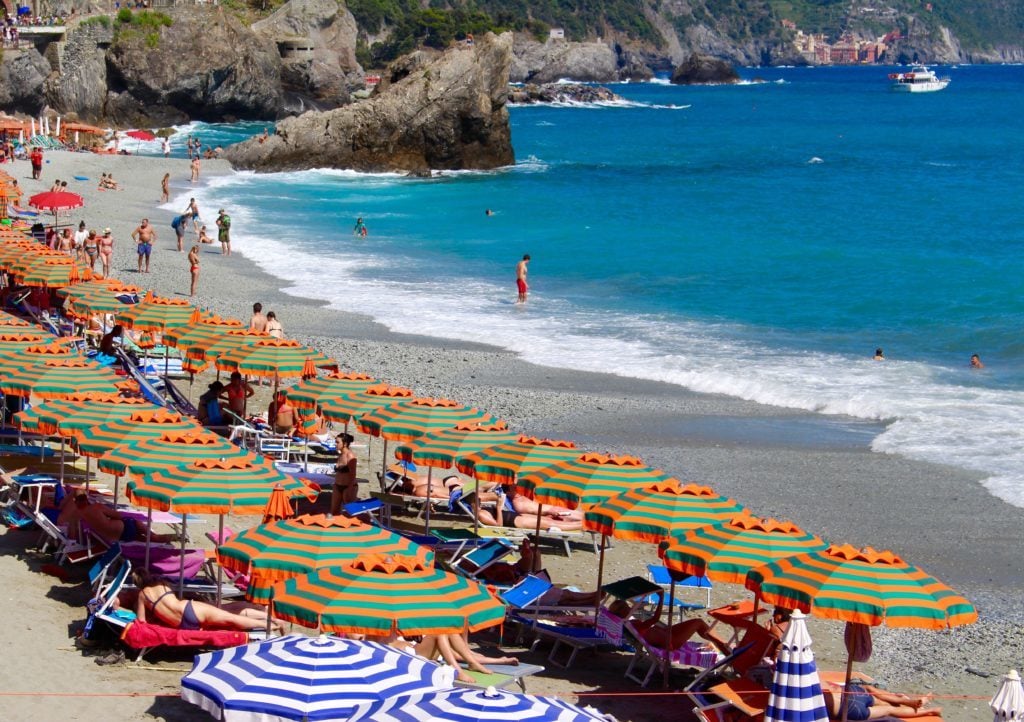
x=818 y=471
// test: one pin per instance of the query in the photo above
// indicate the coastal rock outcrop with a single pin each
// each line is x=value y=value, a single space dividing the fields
x=22 y=73
x=79 y=81
x=231 y=72
x=431 y=111
x=702 y=69
x=530 y=94
x=317 y=43
x=548 y=62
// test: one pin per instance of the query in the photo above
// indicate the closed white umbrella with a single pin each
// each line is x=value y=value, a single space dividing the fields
x=1008 y=703
x=796 y=689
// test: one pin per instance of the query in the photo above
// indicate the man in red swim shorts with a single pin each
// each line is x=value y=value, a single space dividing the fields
x=521 y=279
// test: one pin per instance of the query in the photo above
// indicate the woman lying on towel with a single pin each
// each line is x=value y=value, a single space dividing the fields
x=507 y=515
x=158 y=598
x=453 y=649
x=866 y=702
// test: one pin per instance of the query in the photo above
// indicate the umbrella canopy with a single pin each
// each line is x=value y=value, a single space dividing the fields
x=53 y=272
x=140 y=135
x=19 y=347
x=283 y=550
x=210 y=348
x=301 y=678
x=156 y=313
x=440 y=449
x=171 y=450
x=657 y=511
x=383 y=594
x=587 y=480
x=56 y=201
x=502 y=463
x=726 y=552
x=149 y=423
x=860 y=585
x=475 y=705
x=1008 y=702
x=7 y=321
x=210 y=329
x=279 y=505
x=353 y=405
x=311 y=393
x=60 y=377
x=81 y=410
x=240 y=484
x=97 y=296
x=796 y=689
x=408 y=420
x=277 y=357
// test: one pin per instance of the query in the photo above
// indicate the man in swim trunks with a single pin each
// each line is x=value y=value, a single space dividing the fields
x=865 y=702
x=521 y=279
x=145 y=236
x=36 y=158
x=107 y=523
x=224 y=232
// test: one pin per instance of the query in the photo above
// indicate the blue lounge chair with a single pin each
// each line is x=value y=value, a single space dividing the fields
x=473 y=563
x=661 y=576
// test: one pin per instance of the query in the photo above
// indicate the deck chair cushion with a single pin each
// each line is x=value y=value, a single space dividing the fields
x=142 y=635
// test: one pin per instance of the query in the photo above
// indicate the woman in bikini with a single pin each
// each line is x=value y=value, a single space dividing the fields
x=193 y=262
x=106 y=243
x=346 y=486
x=91 y=246
x=165 y=188
x=159 y=599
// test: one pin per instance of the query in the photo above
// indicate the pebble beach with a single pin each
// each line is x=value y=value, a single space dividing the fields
x=817 y=471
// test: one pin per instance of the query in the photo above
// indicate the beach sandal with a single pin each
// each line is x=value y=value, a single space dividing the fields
x=112 y=658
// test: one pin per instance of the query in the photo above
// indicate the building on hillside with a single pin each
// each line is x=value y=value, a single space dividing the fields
x=556 y=34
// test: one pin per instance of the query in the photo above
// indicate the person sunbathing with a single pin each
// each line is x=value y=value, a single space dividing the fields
x=655 y=632
x=158 y=598
x=865 y=702
x=453 y=649
x=506 y=515
x=107 y=522
x=522 y=505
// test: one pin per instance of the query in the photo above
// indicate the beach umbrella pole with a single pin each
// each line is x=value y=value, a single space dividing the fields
x=665 y=661
x=844 y=704
x=270 y=611
x=149 y=534
x=536 y=539
x=430 y=474
x=600 y=577
x=181 y=559
x=117 y=488
x=62 y=466
x=220 y=569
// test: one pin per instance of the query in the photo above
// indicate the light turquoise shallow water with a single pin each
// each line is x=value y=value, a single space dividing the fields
x=758 y=240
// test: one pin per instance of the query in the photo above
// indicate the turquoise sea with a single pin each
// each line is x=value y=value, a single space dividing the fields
x=758 y=240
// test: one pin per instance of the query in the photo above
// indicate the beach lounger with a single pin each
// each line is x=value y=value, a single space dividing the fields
x=179 y=400
x=66 y=548
x=607 y=632
x=691 y=654
x=659 y=574
x=554 y=534
x=474 y=562
x=503 y=676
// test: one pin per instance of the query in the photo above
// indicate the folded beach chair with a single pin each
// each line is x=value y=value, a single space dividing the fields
x=179 y=400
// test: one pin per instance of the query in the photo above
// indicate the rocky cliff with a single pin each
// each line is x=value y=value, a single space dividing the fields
x=22 y=74
x=553 y=60
x=430 y=111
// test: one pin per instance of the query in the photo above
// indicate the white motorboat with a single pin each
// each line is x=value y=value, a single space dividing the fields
x=919 y=80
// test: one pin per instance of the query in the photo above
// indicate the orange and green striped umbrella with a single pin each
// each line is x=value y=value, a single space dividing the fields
x=275 y=357
x=7 y=321
x=355 y=404
x=440 y=449
x=408 y=420
x=587 y=480
x=20 y=258
x=97 y=296
x=60 y=377
x=380 y=594
x=55 y=272
x=156 y=313
x=502 y=463
x=185 y=337
x=863 y=586
x=274 y=552
x=239 y=484
x=726 y=552
x=96 y=440
x=311 y=393
x=211 y=348
x=169 y=451
x=30 y=346
x=656 y=512
x=65 y=416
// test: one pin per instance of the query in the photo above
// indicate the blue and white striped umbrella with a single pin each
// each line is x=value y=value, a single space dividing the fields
x=306 y=679
x=474 y=705
x=796 y=690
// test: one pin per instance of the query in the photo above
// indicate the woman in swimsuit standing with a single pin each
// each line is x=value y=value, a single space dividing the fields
x=165 y=188
x=346 y=486
x=193 y=262
x=160 y=599
x=91 y=246
x=106 y=251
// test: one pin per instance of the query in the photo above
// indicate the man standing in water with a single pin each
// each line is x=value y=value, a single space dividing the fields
x=224 y=232
x=145 y=236
x=521 y=279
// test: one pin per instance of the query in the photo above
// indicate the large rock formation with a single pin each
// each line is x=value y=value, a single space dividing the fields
x=701 y=69
x=431 y=111
x=206 y=65
x=79 y=81
x=556 y=59
x=317 y=41
x=22 y=73
x=561 y=93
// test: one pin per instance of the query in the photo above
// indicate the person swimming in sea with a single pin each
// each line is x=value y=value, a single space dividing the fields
x=360 y=229
x=879 y=355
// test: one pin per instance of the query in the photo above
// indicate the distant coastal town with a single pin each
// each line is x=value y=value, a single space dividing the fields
x=847 y=50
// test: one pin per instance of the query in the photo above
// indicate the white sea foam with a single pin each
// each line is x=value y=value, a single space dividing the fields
x=930 y=418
